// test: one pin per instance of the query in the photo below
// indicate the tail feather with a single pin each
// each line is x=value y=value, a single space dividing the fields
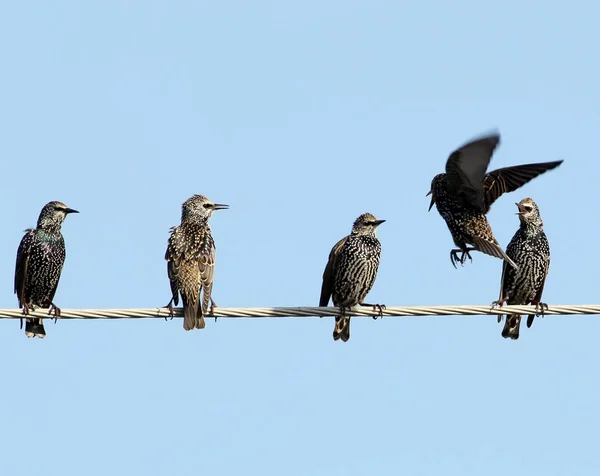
x=530 y=319
x=511 y=327
x=342 y=329
x=35 y=328
x=192 y=316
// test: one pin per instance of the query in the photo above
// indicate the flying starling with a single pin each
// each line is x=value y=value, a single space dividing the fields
x=530 y=250
x=191 y=260
x=40 y=260
x=465 y=193
x=351 y=272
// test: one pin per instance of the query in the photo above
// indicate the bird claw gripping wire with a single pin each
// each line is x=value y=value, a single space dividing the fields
x=540 y=308
x=379 y=308
x=498 y=303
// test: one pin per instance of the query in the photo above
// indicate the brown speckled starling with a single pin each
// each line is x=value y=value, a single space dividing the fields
x=465 y=193
x=530 y=250
x=351 y=271
x=40 y=260
x=191 y=260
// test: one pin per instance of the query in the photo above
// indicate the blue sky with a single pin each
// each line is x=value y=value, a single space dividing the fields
x=300 y=116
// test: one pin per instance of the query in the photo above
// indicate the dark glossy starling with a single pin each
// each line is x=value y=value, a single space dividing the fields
x=40 y=260
x=530 y=250
x=191 y=260
x=465 y=193
x=351 y=271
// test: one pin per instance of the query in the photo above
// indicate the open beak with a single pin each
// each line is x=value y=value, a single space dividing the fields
x=220 y=206
x=521 y=209
x=432 y=200
x=70 y=210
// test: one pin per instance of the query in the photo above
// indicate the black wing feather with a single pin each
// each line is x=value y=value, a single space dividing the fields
x=466 y=168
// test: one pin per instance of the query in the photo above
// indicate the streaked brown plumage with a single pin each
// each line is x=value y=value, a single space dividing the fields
x=351 y=271
x=191 y=259
x=529 y=248
x=464 y=194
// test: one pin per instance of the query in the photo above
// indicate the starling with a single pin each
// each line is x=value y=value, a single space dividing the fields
x=40 y=259
x=191 y=260
x=530 y=250
x=351 y=272
x=465 y=193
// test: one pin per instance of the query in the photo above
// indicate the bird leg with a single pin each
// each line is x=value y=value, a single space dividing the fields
x=376 y=307
x=211 y=311
x=170 y=308
x=463 y=257
x=56 y=309
x=499 y=303
x=540 y=308
x=25 y=313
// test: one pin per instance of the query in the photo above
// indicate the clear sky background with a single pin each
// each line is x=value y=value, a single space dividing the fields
x=300 y=116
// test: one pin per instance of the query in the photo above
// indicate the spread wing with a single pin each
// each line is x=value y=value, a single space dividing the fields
x=23 y=253
x=329 y=273
x=508 y=179
x=466 y=168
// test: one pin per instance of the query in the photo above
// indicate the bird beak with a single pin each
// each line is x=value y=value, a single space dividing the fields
x=220 y=206
x=70 y=210
x=379 y=222
x=432 y=200
x=521 y=210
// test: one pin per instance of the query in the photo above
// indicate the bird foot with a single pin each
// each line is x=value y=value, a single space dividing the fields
x=463 y=256
x=170 y=309
x=498 y=303
x=540 y=308
x=54 y=309
x=26 y=309
x=379 y=308
x=211 y=311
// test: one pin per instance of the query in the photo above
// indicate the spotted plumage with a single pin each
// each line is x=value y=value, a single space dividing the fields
x=530 y=250
x=351 y=271
x=190 y=259
x=464 y=194
x=40 y=259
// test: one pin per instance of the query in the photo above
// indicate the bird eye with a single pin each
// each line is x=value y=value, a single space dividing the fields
x=527 y=208
x=207 y=205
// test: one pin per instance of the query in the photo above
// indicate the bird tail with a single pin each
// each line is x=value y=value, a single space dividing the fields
x=511 y=327
x=35 y=328
x=492 y=249
x=192 y=316
x=342 y=329
x=530 y=319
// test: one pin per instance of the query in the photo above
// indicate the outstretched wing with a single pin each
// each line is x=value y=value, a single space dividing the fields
x=466 y=168
x=23 y=253
x=329 y=273
x=508 y=179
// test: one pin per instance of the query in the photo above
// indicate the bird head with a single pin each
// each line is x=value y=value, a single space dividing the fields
x=199 y=207
x=529 y=213
x=366 y=224
x=436 y=184
x=53 y=214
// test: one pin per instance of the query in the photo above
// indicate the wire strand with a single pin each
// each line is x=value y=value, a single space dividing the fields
x=264 y=312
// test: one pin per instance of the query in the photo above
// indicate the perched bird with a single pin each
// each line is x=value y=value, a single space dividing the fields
x=191 y=260
x=530 y=250
x=464 y=194
x=351 y=272
x=40 y=260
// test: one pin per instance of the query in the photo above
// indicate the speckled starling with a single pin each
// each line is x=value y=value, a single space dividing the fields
x=530 y=250
x=465 y=193
x=191 y=260
x=351 y=271
x=40 y=260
